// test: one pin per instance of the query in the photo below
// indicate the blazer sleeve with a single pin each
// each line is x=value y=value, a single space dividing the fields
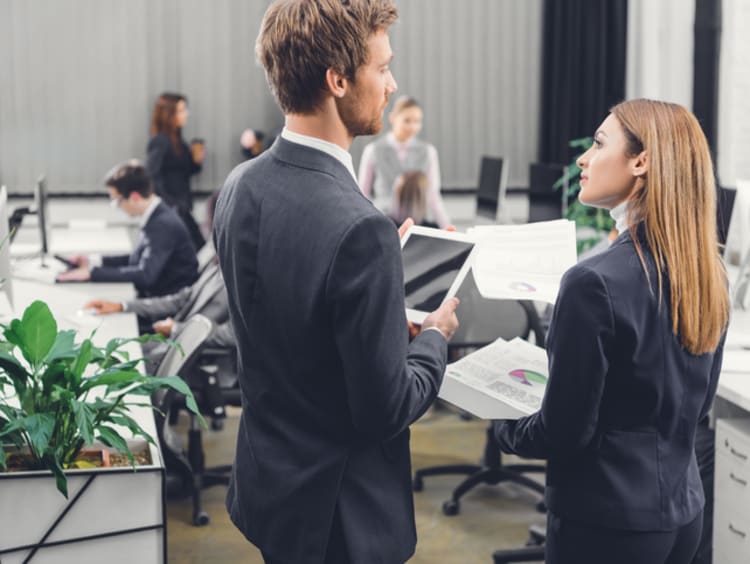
x=157 y=149
x=582 y=325
x=160 y=241
x=389 y=382
x=115 y=260
x=714 y=381
x=159 y=307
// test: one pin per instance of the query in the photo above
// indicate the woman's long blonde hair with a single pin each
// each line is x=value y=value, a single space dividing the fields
x=677 y=205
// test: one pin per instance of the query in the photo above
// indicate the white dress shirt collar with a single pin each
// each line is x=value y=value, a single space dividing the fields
x=331 y=149
x=620 y=214
x=149 y=211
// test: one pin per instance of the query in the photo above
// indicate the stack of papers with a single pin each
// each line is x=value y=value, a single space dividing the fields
x=504 y=380
x=523 y=262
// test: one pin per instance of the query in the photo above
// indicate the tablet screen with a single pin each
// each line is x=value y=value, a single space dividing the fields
x=430 y=269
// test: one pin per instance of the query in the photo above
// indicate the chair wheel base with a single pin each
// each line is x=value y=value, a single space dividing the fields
x=451 y=507
x=201 y=519
x=417 y=484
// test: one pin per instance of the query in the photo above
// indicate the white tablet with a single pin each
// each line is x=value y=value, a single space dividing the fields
x=435 y=264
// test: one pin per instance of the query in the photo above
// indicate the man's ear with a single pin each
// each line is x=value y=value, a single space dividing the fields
x=337 y=83
x=639 y=164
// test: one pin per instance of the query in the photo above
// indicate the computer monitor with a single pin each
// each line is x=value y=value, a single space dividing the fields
x=493 y=180
x=6 y=284
x=545 y=201
x=40 y=209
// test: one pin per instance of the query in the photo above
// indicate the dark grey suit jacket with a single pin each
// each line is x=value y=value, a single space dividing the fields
x=619 y=416
x=208 y=296
x=329 y=380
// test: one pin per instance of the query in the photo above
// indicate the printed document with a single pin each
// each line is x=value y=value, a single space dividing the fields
x=504 y=380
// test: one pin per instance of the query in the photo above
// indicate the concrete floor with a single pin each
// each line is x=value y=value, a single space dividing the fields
x=491 y=517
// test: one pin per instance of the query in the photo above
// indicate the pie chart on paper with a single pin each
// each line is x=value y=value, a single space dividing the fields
x=527 y=377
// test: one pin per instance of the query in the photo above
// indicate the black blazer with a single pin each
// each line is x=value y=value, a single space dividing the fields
x=170 y=172
x=623 y=400
x=329 y=380
x=162 y=262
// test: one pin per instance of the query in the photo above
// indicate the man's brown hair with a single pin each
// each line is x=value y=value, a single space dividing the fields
x=300 y=40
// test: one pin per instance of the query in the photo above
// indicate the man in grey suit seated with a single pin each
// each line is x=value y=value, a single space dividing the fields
x=208 y=296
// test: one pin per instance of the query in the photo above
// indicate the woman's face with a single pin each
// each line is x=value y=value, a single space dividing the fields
x=406 y=123
x=608 y=174
x=181 y=114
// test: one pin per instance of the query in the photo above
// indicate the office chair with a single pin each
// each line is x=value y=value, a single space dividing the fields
x=178 y=361
x=491 y=190
x=545 y=201
x=485 y=321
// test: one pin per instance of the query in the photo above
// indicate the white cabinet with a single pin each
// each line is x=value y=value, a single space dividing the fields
x=731 y=540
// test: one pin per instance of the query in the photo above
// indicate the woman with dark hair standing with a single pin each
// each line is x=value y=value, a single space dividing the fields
x=171 y=163
x=635 y=348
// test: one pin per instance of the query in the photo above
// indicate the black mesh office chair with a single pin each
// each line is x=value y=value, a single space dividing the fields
x=483 y=321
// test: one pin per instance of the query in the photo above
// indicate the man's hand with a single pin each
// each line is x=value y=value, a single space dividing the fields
x=103 y=307
x=164 y=326
x=443 y=318
x=81 y=260
x=405 y=227
x=81 y=274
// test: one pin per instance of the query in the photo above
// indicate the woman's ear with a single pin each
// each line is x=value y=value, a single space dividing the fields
x=337 y=83
x=639 y=164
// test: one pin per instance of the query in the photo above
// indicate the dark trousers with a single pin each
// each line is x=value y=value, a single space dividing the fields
x=336 y=552
x=572 y=542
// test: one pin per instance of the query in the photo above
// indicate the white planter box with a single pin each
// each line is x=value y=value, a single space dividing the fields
x=113 y=515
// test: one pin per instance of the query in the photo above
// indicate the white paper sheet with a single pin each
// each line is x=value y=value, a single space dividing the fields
x=523 y=262
x=504 y=380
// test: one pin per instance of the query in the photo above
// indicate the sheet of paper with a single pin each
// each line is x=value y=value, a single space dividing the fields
x=523 y=262
x=504 y=380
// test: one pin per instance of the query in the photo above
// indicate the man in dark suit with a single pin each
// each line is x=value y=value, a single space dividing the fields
x=163 y=260
x=330 y=383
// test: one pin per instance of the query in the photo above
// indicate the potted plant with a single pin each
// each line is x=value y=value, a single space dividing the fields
x=59 y=396
x=595 y=223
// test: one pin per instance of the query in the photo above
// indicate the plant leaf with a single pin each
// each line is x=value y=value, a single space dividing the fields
x=113 y=377
x=63 y=347
x=15 y=371
x=38 y=330
x=82 y=360
x=85 y=416
x=112 y=438
x=38 y=427
x=132 y=425
x=177 y=384
x=61 y=480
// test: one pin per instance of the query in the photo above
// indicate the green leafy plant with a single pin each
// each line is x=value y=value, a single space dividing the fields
x=56 y=406
x=596 y=219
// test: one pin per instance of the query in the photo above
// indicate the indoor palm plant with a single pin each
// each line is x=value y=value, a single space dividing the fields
x=596 y=220
x=58 y=395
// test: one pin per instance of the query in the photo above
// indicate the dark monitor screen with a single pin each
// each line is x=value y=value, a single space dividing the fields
x=40 y=209
x=545 y=201
x=488 y=191
x=430 y=269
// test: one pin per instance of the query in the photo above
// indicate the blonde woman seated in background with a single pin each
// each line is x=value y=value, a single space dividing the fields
x=397 y=152
x=410 y=199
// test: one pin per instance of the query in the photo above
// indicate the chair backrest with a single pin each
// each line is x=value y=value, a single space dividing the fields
x=545 y=201
x=194 y=333
x=481 y=320
x=493 y=184
x=205 y=255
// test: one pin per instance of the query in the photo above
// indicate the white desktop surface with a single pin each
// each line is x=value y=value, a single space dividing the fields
x=67 y=241
x=734 y=385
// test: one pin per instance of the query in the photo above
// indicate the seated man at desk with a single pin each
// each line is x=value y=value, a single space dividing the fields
x=163 y=260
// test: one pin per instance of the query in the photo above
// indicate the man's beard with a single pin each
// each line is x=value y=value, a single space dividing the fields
x=354 y=120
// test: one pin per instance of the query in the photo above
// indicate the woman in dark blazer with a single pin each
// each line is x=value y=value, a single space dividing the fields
x=171 y=163
x=635 y=347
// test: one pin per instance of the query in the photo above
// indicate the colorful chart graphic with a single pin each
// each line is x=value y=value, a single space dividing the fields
x=522 y=287
x=527 y=377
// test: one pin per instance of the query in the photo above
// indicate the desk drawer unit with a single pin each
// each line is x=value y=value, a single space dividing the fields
x=732 y=492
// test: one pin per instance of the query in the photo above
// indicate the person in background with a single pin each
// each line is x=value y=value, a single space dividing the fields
x=410 y=199
x=163 y=261
x=635 y=348
x=251 y=143
x=171 y=163
x=328 y=378
x=399 y=151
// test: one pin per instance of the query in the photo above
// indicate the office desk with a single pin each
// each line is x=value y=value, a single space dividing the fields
x=731 y=532
x=74 y=241
x=121 y=517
